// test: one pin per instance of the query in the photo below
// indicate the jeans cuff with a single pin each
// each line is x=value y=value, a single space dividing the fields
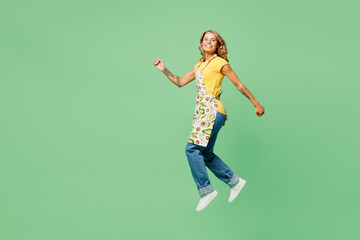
x=234 y=180
x=205 y=190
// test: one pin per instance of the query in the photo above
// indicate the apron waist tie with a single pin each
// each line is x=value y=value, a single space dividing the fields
x=218 y=97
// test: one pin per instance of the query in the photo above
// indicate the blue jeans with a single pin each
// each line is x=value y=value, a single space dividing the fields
x=199 y=157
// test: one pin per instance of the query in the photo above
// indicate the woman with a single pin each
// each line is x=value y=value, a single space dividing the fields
x=210 y=115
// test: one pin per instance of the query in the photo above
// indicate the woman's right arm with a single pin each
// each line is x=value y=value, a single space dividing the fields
x=178 y=81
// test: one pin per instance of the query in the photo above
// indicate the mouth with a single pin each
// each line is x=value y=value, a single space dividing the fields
x=208 y=46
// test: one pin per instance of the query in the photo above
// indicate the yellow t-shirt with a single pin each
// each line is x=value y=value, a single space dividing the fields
x=213 y=78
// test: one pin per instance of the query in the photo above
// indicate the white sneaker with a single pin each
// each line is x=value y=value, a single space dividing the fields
x=236 y=189
x=204 y=201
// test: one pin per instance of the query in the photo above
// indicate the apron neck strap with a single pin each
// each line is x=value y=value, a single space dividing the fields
x=207 y=62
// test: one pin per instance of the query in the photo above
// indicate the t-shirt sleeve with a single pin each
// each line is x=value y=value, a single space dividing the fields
x=222 y=62
x=197 y=64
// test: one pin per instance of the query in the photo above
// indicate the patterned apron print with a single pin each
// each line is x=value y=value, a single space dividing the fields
x=205 y=112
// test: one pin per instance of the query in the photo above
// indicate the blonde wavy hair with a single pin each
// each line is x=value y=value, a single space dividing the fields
x=221 y=51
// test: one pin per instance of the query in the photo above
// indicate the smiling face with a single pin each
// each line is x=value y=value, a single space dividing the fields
x=210 y=43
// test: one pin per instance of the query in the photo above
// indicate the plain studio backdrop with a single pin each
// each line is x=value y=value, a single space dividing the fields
x=93 y=136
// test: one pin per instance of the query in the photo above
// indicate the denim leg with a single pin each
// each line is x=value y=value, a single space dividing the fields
x=213 y=162
x=198 y=169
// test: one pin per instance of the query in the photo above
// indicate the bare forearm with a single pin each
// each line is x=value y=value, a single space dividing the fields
x=226 y=70
x=248 y=94
x=175 y=79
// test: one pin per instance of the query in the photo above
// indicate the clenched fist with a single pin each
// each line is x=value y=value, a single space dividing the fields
x=259 y=110
x=159 y=64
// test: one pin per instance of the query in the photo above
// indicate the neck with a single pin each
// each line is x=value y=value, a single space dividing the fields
x=208 y=56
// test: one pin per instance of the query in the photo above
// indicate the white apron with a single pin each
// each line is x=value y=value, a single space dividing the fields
x=205 y=111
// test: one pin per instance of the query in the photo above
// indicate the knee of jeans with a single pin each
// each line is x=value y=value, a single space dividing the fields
x=192 y=148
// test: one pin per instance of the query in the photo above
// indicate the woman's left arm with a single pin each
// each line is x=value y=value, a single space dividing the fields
x=227 y=71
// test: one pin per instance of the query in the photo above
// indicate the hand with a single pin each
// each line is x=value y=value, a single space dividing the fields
x=159 y=64
x=259 y=110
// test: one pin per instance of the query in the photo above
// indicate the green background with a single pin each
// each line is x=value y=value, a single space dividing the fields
x=93 y=136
